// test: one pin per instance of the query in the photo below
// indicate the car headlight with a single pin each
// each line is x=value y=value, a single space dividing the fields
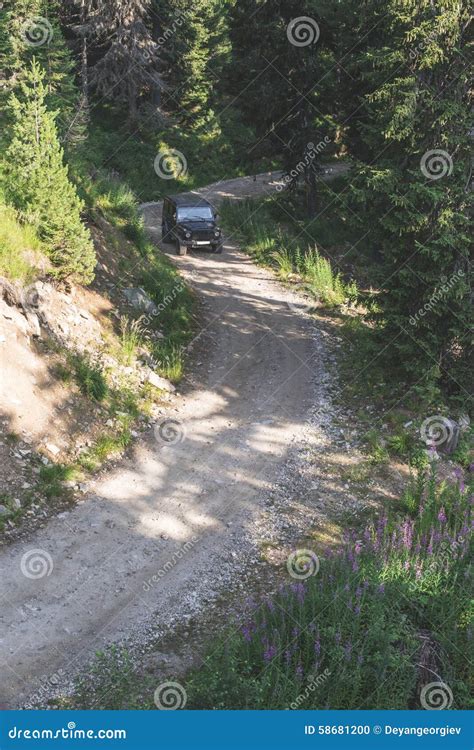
x=187 y=235
x=217 y=233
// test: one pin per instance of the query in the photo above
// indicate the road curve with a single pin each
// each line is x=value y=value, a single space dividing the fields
x=164 y=530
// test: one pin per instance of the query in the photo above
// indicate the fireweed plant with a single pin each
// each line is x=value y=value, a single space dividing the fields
x=388 y=612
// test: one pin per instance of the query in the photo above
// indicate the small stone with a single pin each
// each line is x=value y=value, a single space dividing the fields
x=53 y=449
x=158 y=382
x=3 y=510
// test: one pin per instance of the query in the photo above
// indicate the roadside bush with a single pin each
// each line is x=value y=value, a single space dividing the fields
x=88 y=376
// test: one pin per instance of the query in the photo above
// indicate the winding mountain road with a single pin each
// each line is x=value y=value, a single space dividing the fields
x=160 y=534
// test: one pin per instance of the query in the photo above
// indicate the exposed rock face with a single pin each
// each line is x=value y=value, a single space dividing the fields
x=44 y=305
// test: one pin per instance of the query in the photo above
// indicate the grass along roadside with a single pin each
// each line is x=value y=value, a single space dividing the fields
x=371 y=622
x=265 y=234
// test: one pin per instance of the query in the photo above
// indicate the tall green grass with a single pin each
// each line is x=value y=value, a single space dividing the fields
x=270 y=242
x=20 y=247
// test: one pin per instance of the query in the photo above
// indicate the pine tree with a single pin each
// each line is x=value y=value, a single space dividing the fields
x=37 y=180
x=414 y=191
x=192 y=38
x=126 y=65
x=30 y=28
x=282 y=86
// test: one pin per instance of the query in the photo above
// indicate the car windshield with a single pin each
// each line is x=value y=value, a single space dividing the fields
x=195 y=212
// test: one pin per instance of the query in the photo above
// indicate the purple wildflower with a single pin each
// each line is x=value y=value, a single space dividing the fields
x=418 y=569
x=348 y=650
x=337 y=637
x=247 y=633
x=442 y=515
x=269 y=652
x=381 y=588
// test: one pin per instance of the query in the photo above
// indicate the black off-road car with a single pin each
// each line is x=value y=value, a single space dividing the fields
x=190 y=223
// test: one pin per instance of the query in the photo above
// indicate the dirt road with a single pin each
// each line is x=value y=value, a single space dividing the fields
x=160 y=535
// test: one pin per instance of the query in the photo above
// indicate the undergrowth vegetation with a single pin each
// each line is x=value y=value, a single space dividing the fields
x=20 y=247
x=368 y=623
x=387 y=613
x=277 y=238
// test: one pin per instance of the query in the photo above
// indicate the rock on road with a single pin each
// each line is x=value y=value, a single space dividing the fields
x=159 y=532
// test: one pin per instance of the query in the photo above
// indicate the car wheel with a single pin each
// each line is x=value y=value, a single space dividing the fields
x=180 y=249
x=218 y=248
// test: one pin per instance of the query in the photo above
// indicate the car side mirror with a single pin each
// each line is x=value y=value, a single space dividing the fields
x=174 y=217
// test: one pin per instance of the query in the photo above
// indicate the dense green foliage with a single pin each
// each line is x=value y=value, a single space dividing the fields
x=37 y=181
x=366 y=630
x=108 y=103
